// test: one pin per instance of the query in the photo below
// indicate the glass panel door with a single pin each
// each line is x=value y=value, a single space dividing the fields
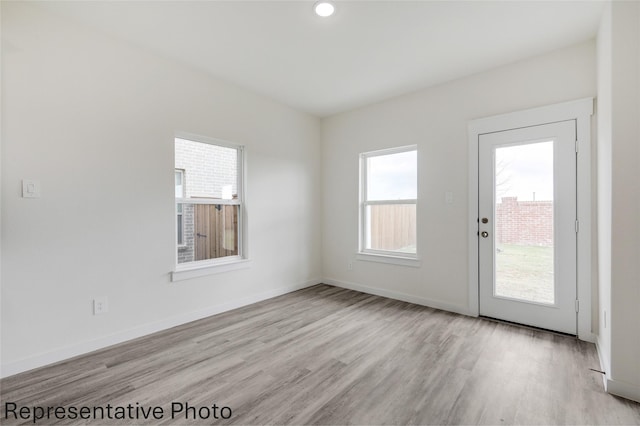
x=526 y=229
x=523 y=179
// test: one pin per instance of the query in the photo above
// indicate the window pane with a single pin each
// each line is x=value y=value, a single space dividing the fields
x=180 y=226
x=391 y=227
x=392 y=176
x=210 y=232
x=524 y=222
x=211 y=170
x=180 y=229
x=179 y=185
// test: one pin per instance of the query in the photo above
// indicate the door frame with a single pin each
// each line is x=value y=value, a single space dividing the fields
x=580 y=110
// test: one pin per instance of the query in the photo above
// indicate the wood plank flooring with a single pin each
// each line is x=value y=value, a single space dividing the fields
x=325 y=355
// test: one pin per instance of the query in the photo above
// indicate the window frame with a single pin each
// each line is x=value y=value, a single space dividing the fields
x=384 y=256
x=222 y=264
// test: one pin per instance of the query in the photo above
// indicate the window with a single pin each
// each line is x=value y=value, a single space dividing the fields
x=179 y=178
x=209 y=202
x=388 y=197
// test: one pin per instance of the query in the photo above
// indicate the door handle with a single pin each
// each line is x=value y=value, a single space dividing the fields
x=484 y=234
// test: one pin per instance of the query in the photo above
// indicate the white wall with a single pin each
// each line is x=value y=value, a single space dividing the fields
x=621 y=186
x=94 y=120
x=436 y=120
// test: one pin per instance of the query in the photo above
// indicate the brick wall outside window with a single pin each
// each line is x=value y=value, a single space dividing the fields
x=524 y=222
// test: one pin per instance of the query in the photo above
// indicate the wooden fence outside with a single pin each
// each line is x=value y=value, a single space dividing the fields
x=215 y=231
x=393 y=227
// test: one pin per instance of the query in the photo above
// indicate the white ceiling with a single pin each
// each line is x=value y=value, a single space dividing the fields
x=366 y=52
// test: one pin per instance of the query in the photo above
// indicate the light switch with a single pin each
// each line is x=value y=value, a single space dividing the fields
x=30 y=188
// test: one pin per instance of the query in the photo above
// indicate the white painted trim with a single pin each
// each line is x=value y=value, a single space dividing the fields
x=390 y=202
x=398 y=296
x=588 y=337
x=206 y=139
x=473 y=225
x=82 y=348
x=616 y=387
x=194 y=271
x=392 y=260
x=584 y=213
x=604 y=363
x=209 y=201
x=624 y=389
x=389 y=151
x=580 y=110
x=531 y=117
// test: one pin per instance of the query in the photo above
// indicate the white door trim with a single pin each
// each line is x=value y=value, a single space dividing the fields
x=580 y=110
x=559 y=142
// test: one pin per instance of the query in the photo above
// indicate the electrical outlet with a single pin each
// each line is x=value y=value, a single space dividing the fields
x=100 y=305
x=350 y=265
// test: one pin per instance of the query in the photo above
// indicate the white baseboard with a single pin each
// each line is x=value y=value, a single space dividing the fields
x=616 y=387
x=604 y=363
x=624 y=389
x=82 y=348
x=400 y=296
x=588 y=337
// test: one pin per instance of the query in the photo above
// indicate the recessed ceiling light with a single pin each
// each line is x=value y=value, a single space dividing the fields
x=324 y=8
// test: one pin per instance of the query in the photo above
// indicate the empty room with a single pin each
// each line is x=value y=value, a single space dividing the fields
x=300 y=212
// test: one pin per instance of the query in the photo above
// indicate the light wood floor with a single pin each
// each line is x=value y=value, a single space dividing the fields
x=326 y=355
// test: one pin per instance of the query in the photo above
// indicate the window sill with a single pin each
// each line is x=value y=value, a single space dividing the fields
x=195 y=271
x=394 y=260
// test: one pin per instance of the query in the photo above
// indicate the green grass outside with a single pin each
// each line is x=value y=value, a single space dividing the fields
x=525 y=272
